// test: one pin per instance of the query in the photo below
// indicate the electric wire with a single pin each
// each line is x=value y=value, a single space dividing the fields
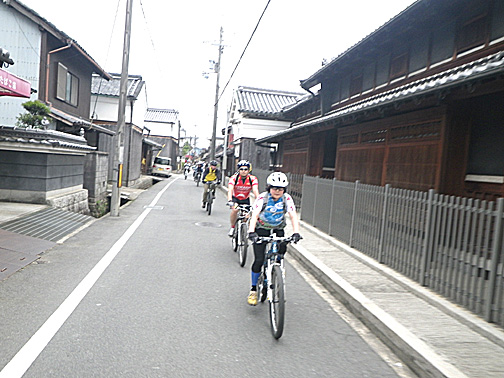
x=243 y=53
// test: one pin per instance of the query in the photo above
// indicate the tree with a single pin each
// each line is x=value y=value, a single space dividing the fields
x=36 y=117
x=186 y=148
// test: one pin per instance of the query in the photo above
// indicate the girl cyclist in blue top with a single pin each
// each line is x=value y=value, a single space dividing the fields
x=268 y=216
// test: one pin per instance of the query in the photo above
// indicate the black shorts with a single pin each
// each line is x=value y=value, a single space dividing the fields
x=245 y=201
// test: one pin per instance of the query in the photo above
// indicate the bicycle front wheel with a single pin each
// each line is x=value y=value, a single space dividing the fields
x=235 y=237
x=277 y=302
x=209 y=203
x=243 y=244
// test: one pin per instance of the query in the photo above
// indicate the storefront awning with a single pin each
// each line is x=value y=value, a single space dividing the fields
x=11 y=85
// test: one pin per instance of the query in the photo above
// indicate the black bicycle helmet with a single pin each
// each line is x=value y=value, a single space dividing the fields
x=214 y=163
x=244 y=163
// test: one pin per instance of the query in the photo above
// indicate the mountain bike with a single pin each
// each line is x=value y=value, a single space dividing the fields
x=197 y=178
x=210 y=195
x=239 y=240
x=186 y=172
x=271 y=283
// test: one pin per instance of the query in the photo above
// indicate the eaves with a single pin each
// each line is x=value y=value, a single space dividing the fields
x=465 y=74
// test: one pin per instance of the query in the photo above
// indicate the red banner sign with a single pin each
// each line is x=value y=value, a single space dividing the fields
x=11 y=85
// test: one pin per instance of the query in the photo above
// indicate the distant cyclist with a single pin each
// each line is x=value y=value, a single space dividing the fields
x=268 y=216
x=211 y=173
x=239 y=188
x=198 y=168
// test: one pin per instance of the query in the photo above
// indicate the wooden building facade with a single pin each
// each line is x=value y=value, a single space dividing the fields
x=418 y=104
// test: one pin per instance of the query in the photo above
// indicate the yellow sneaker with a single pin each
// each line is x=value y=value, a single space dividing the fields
x=252 y=298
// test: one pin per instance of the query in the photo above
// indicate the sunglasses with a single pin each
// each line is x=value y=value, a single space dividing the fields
x=277 y=188
x=243 y=169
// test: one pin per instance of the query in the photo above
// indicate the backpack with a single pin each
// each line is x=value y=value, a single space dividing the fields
x=237 y=174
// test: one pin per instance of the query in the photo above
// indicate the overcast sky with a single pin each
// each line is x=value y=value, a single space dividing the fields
x=172 y=43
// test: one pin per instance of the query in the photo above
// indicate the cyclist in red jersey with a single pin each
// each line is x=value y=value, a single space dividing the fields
x=239 y=188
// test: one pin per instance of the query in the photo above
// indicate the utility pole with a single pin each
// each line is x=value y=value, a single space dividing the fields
x=115 y=200
x=216 y=105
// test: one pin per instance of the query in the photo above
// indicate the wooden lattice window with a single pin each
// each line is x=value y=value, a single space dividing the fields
x=348 y=139
x=417 y=131
x=377 y=136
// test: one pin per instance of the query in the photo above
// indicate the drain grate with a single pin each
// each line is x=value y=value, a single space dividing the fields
x=48 y=224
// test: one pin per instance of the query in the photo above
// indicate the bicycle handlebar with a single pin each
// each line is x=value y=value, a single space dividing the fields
x=268 y=239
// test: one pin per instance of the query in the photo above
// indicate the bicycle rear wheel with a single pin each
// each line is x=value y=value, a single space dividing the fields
x=277 y=302
x=243 y=244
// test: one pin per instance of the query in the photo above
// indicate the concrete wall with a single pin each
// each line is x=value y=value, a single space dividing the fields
x=34 y=177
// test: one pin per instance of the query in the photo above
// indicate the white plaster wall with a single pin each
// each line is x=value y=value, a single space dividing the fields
x=258 y=128
x=21 y=37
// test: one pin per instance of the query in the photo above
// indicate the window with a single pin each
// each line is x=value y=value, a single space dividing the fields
x=67 y=87
x=399 y=66
x=355 y=85
x=382 y=70
x=419 y=54
x=472 y=33
x=443 y=41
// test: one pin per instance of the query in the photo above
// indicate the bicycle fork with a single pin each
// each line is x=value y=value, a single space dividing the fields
x=269 y=282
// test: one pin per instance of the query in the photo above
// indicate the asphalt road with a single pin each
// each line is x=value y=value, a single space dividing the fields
x=171 y=303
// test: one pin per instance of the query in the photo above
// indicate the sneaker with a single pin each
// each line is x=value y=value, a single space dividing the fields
x=252 y=298
x=231 y=232
x=203 y=205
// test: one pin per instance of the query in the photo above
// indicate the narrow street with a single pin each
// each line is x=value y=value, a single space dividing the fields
x=171 y=303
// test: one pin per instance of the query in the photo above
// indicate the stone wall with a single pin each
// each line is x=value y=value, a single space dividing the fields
x=95 y=180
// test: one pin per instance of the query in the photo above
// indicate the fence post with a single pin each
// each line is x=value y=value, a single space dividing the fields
x=383 y=224
x=496 y=251
x=353 y=212
x=301 y=204
x=427 y=242
x=315 y=201
x=332 y=204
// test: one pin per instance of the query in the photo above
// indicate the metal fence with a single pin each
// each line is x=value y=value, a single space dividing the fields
x=451 y=244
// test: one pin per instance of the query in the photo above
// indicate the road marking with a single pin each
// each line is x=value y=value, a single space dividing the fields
x=24 y=358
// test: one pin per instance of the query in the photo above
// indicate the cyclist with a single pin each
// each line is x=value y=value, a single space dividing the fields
x=239 y=188
x=187 y=168
x=198 y=168
x=212 y=173
x=268 y=216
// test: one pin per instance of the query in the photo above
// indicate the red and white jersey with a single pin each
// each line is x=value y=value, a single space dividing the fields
x=243 y=186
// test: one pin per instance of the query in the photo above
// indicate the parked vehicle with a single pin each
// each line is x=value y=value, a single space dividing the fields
x=162 y=166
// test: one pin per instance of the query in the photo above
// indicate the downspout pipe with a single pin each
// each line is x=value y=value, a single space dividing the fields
x=69 y=44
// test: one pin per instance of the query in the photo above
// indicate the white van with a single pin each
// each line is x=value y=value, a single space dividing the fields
x=162 y=166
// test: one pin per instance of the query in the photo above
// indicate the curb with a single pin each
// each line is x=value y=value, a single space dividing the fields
x=485 y=329
x=419 y=357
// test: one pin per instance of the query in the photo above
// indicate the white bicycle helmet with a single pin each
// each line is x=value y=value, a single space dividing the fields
x=277 y=179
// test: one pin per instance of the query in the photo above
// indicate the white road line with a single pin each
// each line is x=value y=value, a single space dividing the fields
x=23 y=359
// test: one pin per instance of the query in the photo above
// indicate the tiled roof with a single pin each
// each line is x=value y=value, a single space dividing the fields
x=481 y=68
x=263 y=101
x=77 y=121
x=368 y=39
x=112 y=87
x=15 y=136
x=161 y=115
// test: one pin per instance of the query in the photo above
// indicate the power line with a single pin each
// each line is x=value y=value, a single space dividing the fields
x=245 y=49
